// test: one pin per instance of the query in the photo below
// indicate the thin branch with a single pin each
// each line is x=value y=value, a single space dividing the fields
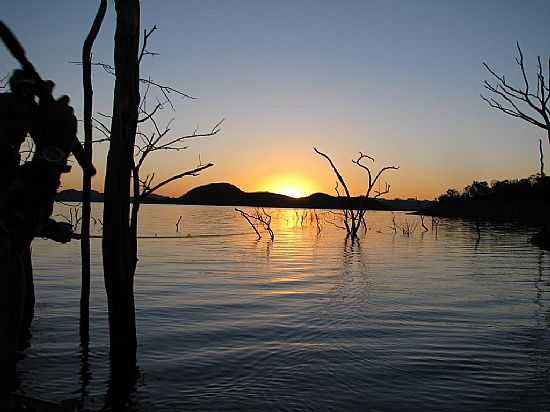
x=151 y=114
x=194 y=172
x=215 y=130
x=382 y=171
x=101 y=127
x=541 y=158
x=424 y=228
x=261 y=217
x=144 y=50
x=358 y=163
x=165 y=90
x=249 y=220
x=336 y=172
x=379 y=193
x=508 y=98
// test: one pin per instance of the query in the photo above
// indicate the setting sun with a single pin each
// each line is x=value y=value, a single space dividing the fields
x=289 y=185
x=291 y=191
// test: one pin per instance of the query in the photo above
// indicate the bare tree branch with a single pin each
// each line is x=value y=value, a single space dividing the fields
x=144 y=50
x=165 y=90
x=508 y=98
x=193 y=172
x=354 y=219
x=261 y=217
x=250 y=222
x=541 y=159
x=336 y=172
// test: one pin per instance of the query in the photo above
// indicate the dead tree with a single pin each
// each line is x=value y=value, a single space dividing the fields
x=354 y=218
x=541 y=159
x=251 y=221
x=408 y=228
x=424 y=228
x=151 y=141
x=435 y=225
x=118 y=250
x=394 y=225
x=527 y=104
x=74 y=218
x=521 y=101
x=260 y=218
x=86 y=177
x=318 y=224
x=130 y=144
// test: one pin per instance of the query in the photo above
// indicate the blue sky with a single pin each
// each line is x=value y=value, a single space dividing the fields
x=397 y=79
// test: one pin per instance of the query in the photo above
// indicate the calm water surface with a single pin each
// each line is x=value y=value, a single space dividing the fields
x=307 y=322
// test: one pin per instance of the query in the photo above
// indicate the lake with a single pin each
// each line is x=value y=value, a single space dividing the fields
x=307 y=322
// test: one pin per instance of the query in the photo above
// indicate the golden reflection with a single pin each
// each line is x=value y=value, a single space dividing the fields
x=293 y=222
x=285 y=279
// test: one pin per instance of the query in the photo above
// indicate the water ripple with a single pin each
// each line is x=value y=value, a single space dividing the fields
x=307 y=322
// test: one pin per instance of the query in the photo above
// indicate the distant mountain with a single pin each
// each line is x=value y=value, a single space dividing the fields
x=212 y=194
x=72 y=195
x=226 y=194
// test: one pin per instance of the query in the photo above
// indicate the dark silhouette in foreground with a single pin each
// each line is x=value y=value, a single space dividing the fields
x=129 y=149
x=26 y=204
x=84 y=325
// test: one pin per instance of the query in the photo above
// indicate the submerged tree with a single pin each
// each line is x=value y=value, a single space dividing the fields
x=125 y=187
x=86 y=176
x=117 y=243
x=352 y=218
x=258 y=219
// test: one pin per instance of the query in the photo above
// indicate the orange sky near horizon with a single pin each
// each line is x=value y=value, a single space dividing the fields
x=301 y=174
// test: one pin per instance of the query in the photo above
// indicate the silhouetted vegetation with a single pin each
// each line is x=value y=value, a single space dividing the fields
x=86 y=176
x=258 y=219
x=530 y=104
x=521 y=101
x=354 y=218
x=126 y=187
x=119 y=252
x=525 y=200
x=26 y=203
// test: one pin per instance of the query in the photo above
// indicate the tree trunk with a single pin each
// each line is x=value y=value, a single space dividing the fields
x=86 y=177
x=118 y=253
x=136 y=203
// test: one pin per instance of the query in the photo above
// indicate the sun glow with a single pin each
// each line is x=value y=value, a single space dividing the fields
x=293 y=186
x=291 y=191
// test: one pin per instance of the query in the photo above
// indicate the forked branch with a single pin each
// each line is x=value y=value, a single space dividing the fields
x=259 y=218
x=513 y=100
x=354 y=218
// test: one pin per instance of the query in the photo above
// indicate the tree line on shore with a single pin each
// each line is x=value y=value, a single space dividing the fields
x=525 y=200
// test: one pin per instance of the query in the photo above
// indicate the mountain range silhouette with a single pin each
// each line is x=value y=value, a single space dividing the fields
x=227 y=194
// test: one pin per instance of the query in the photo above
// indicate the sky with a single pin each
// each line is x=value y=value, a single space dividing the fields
x=398 y=80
